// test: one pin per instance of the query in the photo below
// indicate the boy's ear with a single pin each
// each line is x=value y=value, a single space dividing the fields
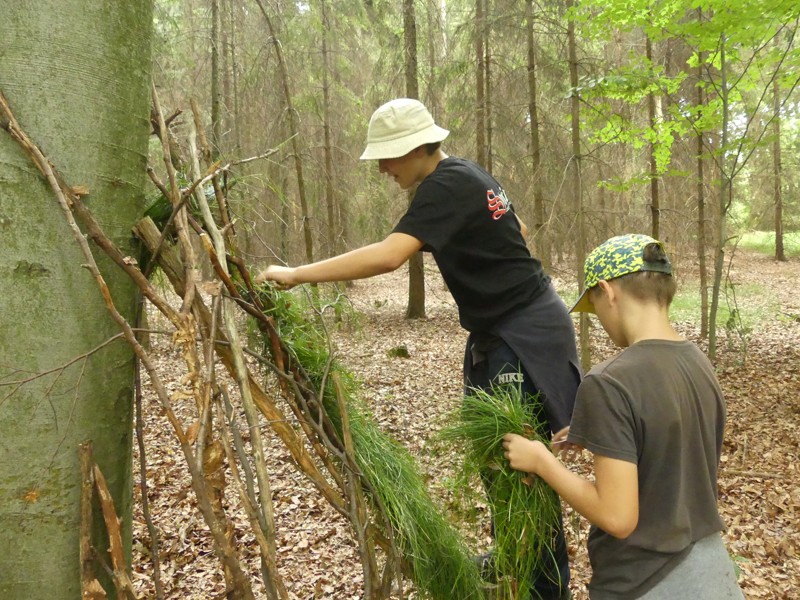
x=607 y=289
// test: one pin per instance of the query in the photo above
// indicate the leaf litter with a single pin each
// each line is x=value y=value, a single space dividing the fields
x=413 y=394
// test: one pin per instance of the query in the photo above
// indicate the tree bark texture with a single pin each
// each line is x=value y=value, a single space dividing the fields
x=78 y=79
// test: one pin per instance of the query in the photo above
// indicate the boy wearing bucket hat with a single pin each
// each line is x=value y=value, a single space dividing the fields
x=653 y=417
x=519 y=329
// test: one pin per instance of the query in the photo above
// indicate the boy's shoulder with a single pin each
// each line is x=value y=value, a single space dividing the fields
x=647 y=354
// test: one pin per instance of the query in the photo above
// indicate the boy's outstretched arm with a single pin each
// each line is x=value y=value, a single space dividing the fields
x=611 y=502
x=374 y=259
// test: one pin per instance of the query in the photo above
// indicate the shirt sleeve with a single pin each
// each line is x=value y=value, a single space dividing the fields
x=603 y=421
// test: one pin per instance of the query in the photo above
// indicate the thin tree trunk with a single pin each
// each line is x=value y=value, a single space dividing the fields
x=777 y=178
x=416 y=273
x=294 y=131
x=701 y=206
x=330 y=197
x=487 y=82
x=215 y=80
x=234 y=78
x=480 y=86
x=655 y=208
x=725 y=197
x=576 y=179
x=540 y=235
x=701 y=232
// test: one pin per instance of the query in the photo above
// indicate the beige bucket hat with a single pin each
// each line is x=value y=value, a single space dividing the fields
x=399 y=126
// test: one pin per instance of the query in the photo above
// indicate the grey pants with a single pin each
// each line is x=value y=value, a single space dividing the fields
x=706 y=572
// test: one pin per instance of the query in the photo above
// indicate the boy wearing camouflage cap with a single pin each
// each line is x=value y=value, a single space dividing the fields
x=653 y=417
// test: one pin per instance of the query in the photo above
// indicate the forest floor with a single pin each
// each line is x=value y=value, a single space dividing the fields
x=413 y=398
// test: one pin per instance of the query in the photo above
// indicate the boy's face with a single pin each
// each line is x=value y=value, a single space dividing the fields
x=406 y=170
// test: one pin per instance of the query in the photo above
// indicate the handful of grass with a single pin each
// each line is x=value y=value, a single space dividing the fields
x=525 y=512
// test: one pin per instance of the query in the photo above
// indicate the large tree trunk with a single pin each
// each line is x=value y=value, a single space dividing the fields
x=85 y=100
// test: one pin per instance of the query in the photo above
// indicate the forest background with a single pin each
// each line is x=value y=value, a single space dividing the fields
x=672 y=118
x=676 y=119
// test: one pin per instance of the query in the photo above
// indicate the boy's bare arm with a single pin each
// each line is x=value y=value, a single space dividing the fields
x=374 y=259
x=611 y=502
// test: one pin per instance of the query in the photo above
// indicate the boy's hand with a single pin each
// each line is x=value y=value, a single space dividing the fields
x=523 y=454
x=284 y=277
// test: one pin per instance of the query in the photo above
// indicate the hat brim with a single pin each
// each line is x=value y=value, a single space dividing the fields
x=583 y=304
x=398 y=147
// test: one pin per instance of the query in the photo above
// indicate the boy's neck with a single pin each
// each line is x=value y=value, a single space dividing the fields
x=647 y=322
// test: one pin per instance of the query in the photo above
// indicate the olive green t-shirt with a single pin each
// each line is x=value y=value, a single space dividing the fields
x=657 y=404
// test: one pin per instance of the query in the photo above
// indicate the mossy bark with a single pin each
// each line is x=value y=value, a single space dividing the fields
x=76 y=75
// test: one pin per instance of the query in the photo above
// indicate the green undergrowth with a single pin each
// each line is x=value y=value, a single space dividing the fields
x=525 y=511
x=435 y=556
x=764 y=242
x=748 y=303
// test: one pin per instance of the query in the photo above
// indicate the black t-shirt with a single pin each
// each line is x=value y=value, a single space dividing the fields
x=464 y=218
x=658 y=405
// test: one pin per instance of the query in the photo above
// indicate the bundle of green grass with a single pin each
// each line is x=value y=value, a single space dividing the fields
x=525 y=510
x=436 y=558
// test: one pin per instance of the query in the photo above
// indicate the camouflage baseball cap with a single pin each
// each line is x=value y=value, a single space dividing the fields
x=618 y=256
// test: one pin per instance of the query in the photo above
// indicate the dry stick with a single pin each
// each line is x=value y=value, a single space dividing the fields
x=304 y=412
x=90 y=586
x=249 y=478
x=238 y=444
x=754 y=474
x=67 y=198
x=171 y=265
x=245 y=489
x=191 y=275
x=213 y=464
x=387 y=543
x=18 y=383
x=116 y=549
x=298 y=394
x=175 y=210
x=210 y=467
x=188 y=302
x=148 y=518
x=274 y=583
x=143 y=488
x=222 y=202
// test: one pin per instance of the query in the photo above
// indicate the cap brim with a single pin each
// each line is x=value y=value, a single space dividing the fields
x=401 y=146
x=583 y=304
